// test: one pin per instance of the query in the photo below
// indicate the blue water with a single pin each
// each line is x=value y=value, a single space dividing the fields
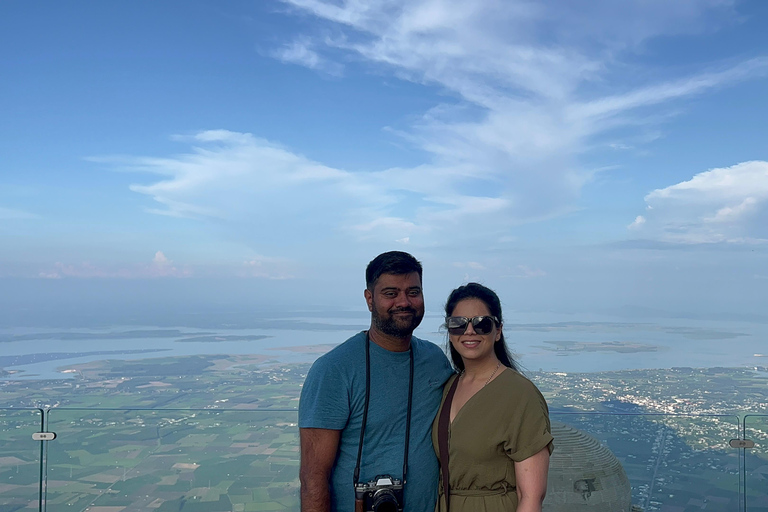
x=527 y=337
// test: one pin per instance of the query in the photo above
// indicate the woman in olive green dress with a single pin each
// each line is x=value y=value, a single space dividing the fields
x=496 y=429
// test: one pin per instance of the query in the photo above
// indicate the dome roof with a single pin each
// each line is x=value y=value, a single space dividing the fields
x=584 y=475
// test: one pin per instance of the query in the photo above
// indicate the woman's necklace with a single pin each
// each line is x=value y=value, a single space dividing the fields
x=498 y=365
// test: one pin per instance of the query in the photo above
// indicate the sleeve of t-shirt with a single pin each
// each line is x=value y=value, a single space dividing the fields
x=446 y=370
x=530 y=432
x=324 y=401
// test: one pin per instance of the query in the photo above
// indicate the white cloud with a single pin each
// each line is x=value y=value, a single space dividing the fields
x=637 y=223
x=162 y=267
x=727 y=204
x=734 y=213
x=160 y=259
x=229 y=175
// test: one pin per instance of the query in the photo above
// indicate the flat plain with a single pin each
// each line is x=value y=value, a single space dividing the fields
x=210 y=433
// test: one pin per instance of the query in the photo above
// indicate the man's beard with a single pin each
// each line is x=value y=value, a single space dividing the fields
x=397 y=326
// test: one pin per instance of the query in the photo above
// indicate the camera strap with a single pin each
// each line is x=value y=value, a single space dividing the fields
x=365 y=409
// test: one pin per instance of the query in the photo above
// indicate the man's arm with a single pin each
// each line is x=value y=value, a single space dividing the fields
x=531 y=476
x=318 y=453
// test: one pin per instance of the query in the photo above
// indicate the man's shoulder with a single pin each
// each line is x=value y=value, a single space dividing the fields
x=427 y=348
x=421 y=344
x=432 y=359
x=343 y=353
x=325 y=395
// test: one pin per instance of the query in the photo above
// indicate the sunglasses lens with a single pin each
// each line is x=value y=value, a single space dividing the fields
x=484 y=326
x=456 y=325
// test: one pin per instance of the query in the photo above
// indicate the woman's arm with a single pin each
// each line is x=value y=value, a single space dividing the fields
x=531 y=476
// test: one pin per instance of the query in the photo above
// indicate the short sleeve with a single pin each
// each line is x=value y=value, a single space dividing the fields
x=530 y=430
x=437 y=367
x=324 y=401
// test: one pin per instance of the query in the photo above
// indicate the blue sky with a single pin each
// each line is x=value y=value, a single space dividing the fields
x=578 y=156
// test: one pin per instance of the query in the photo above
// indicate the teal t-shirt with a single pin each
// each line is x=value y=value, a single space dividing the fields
x=333 y=397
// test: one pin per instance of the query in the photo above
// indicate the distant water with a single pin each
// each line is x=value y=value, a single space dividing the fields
x=540 y=341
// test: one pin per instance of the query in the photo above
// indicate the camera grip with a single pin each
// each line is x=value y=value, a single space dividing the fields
x=359 y=505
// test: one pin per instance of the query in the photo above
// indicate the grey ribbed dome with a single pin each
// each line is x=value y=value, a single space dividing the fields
x=584 y=475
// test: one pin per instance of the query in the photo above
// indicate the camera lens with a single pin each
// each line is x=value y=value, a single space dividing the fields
x=384 y=501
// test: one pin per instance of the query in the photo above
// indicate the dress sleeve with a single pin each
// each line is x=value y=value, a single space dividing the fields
x=529 y=431
x=324 y=401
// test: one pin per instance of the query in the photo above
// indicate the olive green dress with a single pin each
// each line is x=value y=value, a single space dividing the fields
x=505 y=422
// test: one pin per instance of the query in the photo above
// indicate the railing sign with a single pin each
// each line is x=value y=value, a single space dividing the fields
x=742 y=443
x=44 y=436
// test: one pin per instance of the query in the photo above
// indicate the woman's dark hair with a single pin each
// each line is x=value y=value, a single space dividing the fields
x=491 y=300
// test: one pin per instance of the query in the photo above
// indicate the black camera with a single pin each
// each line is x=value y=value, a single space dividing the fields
x=382 y=494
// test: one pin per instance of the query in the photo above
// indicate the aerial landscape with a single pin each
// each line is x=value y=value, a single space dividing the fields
x=216 y=432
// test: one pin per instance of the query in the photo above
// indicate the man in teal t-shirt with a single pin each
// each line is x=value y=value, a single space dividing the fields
x=333 y=396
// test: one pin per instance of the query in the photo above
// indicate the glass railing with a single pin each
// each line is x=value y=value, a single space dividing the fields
x=247 y=460
x=756 y=463
x=172 y=460
x=650 y=461
x=21 y=456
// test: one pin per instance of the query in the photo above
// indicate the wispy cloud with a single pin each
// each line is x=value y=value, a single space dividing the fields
x=534 y=83
x=11 y=213
x=159 y=266
x=727 y=204
x=226 y=171
x=249 y=181
x=266 y=267
x=266 y=188
x=474 y=265
x=526 y=272
x=529 y=91
x=301 y=52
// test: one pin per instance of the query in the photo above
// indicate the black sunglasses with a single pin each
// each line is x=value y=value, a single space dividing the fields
x=457 y=325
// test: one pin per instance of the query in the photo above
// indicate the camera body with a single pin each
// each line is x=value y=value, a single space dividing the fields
x=382 y=494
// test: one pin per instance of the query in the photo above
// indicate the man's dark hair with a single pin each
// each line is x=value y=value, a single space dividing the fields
x=392 y=262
